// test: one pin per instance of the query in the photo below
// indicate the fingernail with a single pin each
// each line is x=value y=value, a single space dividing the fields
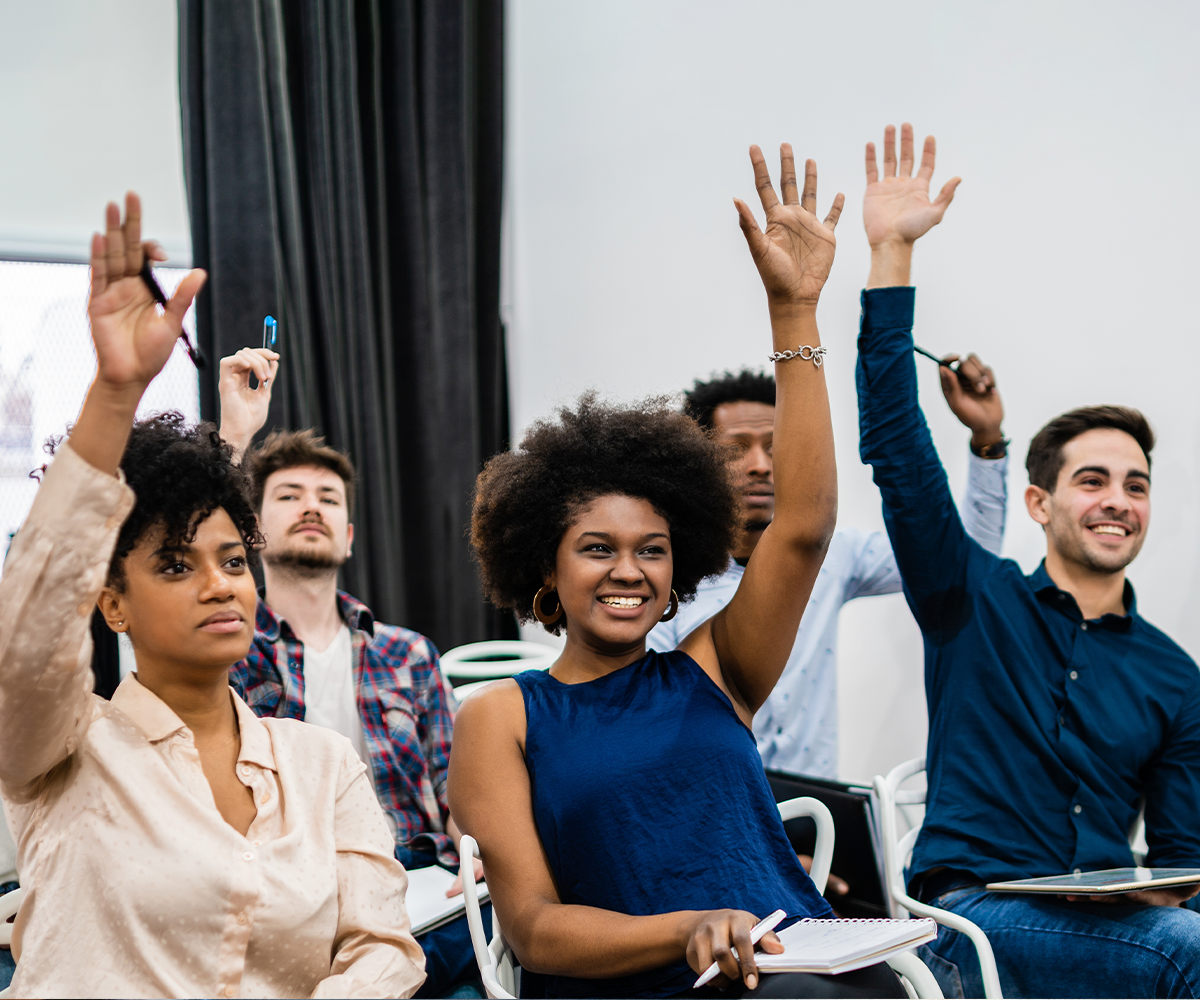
x=752 y=980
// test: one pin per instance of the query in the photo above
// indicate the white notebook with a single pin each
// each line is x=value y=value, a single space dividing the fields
x=831 y=947
x=428 y=905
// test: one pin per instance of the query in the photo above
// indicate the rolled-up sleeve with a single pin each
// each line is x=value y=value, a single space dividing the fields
x=375 y=953
x=54 y=573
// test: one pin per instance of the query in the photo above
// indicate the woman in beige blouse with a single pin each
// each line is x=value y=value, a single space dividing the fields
x=169 y=842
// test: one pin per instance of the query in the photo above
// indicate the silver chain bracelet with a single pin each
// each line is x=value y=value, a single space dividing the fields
x=814 y=354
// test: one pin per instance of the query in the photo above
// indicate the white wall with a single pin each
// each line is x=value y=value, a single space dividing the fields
x=89 y=108
x=1067 y=259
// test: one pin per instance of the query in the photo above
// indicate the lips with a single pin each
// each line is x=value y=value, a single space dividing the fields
x=223 y=623
x=1110 y=529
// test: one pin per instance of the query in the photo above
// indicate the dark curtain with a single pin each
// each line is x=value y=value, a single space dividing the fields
x=343 y=163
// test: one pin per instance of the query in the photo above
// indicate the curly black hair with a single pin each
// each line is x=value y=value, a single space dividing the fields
x=180 y=475
x=526 y=499
x=745 y=386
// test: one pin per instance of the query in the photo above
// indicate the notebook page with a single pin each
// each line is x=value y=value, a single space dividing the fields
x=427 y=903
x=813 y=945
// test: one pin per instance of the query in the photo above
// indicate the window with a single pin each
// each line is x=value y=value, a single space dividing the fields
x=46 y=365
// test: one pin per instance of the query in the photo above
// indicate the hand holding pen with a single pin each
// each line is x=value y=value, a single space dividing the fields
x=972 y=395
x=723 y=942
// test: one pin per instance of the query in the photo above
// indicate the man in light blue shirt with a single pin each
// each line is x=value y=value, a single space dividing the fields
x=796 y=729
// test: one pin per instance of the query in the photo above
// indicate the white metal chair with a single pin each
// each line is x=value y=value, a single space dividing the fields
x=480 y=661
x=10 y=902
x=498 y=964
x=896 y=854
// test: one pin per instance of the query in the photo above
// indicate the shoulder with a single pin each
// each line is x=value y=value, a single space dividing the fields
x=398 y=643
x=496 y=710
x=1175 y=653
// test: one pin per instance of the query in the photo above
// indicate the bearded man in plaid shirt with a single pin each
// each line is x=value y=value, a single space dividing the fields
x=319 y=655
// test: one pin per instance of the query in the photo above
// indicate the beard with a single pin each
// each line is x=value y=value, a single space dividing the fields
x=1075 y=548
x=304 y=564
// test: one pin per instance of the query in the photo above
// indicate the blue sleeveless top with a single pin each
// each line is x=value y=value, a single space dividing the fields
x=649 y=796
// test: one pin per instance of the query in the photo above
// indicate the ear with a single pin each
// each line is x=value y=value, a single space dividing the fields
x=110 y=604
x=349 y=540
x=1037 y=502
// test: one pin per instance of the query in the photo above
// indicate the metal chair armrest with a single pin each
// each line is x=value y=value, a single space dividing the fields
x=917 y=973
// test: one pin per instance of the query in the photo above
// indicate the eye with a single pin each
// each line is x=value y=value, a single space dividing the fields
x=1092 y=481
x=597 y=547
x=332 y=501
x=173 y=567
x=286 y=496
x=237 y=562
x=654 y=550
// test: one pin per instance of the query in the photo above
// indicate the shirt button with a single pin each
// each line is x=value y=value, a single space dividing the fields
x=249 y=855
x=779 y=730
x=1062 y=721
x=1074 y=675
x=83 y=609
x=258 y=843
x=230 y=991
x=1084 y=626
x=1078 y=871
x=245 y=770
x=241 y=918
x=1078 y=810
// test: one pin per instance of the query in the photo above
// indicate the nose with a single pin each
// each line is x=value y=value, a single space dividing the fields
x=215 y=585
x=627 y=569
x=1115 y=499
x=758 y=462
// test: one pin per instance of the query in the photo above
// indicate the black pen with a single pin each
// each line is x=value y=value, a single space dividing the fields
x=159 y=296
x=964 y=381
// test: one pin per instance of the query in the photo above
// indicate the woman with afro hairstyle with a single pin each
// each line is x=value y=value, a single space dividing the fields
x=170 y=843
x=627 y=830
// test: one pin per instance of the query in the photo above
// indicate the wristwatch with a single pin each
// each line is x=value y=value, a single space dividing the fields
x=997 y=449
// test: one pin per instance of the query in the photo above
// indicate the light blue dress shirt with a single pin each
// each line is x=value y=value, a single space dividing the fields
x=797 y=729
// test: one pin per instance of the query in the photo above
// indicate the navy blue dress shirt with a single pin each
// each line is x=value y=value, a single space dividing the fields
x=1046 y=731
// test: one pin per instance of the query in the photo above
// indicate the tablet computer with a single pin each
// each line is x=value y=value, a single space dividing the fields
x=854 y=852
x=1100 y=882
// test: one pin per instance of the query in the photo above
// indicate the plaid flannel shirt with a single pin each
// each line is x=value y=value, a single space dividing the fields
x=404 y=702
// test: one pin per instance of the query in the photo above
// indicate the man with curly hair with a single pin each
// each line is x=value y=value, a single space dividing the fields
x=319 y=654
x=796 y=730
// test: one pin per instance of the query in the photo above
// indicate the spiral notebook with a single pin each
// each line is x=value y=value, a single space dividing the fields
x=427 y=902
x=831 y=947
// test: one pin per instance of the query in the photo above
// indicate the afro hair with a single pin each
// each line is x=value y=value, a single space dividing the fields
x=745 y=386
x=180 y=474
x=526 y=499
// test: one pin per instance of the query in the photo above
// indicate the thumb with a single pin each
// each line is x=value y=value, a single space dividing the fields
x=187 y=291
x=754 y=236
x=456 y=887
x=951 y=387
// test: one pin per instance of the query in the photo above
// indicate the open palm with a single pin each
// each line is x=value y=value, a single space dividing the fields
x=896 y=205
x=795 y=253
x=133 y=342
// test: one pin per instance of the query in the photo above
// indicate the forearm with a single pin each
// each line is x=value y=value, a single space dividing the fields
x=803 y=454
x=102 y=430
x=55 y=571
x=891 y=264
x=589 y=943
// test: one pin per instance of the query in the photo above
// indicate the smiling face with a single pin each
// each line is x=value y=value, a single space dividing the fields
x=750 y=429
x=306 y=521
x=613 y=573
x=1099 y=512
x=186 y=606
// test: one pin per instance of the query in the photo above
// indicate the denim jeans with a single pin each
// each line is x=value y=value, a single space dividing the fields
x=1048 y=947
x=450 y=967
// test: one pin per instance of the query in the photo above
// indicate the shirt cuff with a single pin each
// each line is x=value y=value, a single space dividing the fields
x=888 y=308
x=986 y=464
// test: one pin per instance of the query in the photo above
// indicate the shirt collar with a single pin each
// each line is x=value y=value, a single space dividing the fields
x=355 y=614
x=157 y=720
x=1049 y=593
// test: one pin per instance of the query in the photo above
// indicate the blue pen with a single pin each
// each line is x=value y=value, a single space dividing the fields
x=270 y=332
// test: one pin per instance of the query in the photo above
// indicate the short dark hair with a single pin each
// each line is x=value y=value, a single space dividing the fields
x=291 y=450
x=180 y=474
x=745 y=386
x=1045 y=459
x=526 y=499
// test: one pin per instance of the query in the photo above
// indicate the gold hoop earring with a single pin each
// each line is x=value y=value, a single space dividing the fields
x=674 y=607
x=540 y=614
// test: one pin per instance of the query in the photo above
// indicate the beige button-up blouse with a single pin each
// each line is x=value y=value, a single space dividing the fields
x=135 y=885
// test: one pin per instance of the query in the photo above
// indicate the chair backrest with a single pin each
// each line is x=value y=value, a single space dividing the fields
x=480 y=661
x=896 y=854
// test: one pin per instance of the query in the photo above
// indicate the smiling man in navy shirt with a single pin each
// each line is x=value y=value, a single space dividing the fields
x=1055 y=710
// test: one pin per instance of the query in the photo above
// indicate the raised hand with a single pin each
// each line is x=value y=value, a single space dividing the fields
x=243 y=409
x=978 y=407
x=896 y=206
x=133 y=342
x=795 y=253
